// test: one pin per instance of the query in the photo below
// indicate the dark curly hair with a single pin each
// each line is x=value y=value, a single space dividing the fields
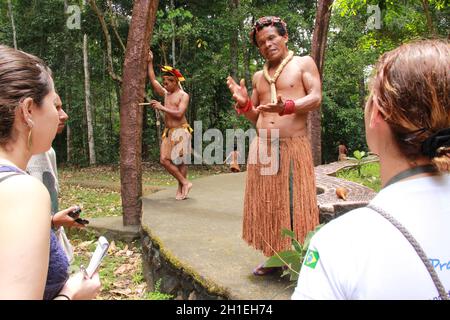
x=267 y=21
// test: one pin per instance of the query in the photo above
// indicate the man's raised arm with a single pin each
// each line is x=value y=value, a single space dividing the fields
x=157 y=87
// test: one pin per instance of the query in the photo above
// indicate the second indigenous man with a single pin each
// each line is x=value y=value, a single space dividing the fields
x=283 y=93
x=176 y=138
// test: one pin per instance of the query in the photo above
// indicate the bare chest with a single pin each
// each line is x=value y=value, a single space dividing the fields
x=172 y=101
x=289 y=84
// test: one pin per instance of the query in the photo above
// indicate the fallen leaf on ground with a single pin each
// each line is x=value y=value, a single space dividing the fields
x=124 y=268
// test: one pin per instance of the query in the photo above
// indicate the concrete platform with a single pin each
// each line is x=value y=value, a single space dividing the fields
x=201 y=236
x=113 y=229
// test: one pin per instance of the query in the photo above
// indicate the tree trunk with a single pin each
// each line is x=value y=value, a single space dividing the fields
x=426 y=9
x=66 y=102
x=66 y=105
x=362 y=91
x=87 y=90
x=114 y=25
x=13 y=25
x=247 y=47
x=318 y=53
x=234 y=41
x=107 y=35
x=133 y=92
x=145 y=148
x=68 y=128
x=172 y=22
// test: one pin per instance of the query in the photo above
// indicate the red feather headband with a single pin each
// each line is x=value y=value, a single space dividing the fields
x=174 y=72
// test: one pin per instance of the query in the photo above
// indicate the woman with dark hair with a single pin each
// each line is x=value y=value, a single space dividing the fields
x=32 y=263
x=397 y=246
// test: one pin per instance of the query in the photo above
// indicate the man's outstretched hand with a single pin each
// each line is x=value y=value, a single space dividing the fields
x=272 y=107
x=239 y=92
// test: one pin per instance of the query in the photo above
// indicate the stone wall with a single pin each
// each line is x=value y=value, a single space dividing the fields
x=174 y=279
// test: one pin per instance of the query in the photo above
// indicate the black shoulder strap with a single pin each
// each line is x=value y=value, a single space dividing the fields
x=8 y=176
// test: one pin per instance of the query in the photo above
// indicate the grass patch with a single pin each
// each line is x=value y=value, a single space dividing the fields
x=370 y=175
x=95 y=202
x=157 y=294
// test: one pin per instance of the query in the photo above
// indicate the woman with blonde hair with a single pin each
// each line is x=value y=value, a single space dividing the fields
x=32 y=263
x=397 y=246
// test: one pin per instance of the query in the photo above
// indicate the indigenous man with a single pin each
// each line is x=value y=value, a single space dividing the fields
x=176 y=138
x=342 y=151
x=283 y=93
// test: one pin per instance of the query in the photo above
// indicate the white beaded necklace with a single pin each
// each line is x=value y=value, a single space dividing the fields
x=273 y=80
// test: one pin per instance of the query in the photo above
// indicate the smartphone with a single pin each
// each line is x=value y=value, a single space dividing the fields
x=75 y=215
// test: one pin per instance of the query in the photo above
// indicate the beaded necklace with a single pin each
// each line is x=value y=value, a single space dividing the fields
x=273 y=80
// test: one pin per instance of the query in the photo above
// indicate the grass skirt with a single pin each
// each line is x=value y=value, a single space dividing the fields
x=268 y=201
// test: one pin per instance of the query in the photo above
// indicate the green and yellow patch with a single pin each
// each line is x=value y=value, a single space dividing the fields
x=311 y=259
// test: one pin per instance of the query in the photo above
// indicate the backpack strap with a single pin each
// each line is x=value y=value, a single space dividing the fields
x=420 y=252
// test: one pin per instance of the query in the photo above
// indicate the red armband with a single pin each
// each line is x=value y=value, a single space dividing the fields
x=247 y=108
x=289 y=107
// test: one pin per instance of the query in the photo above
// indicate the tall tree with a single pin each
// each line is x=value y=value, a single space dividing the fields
x=87 y=93
x=66 y=96
x=234 y=40
x=107 y=36
x=172 y=23
x=133 y=92
x=319 y=43
x=426 y=10
x=13 y=25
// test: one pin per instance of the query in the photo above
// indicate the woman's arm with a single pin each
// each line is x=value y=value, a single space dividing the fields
x=24 y=238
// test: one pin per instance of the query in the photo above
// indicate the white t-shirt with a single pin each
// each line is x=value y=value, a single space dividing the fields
x=361 y=255
x=43 y=167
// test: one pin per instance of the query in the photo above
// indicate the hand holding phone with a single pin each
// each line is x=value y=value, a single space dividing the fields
x=75 y=214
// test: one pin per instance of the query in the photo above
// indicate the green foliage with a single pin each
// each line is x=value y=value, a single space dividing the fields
x=368 y=176
x=157 y=294
x=203 y=32
x=352 y=51
x=359 y=158
x=292 y=259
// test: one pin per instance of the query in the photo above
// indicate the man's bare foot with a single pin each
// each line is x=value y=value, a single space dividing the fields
x=179 y=195
x=186 y=188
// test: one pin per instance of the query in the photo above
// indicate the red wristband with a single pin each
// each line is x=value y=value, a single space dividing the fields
x=289 y=107
x=247 y=108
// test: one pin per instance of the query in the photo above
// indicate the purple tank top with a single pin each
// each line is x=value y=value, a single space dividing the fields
x=58 y=263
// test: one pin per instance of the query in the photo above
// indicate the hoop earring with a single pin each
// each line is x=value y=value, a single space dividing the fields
x=30 y=140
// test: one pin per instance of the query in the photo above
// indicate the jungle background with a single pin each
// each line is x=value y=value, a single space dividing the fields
x=207 y=41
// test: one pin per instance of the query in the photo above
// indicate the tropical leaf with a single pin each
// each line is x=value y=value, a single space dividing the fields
x=282 y=258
